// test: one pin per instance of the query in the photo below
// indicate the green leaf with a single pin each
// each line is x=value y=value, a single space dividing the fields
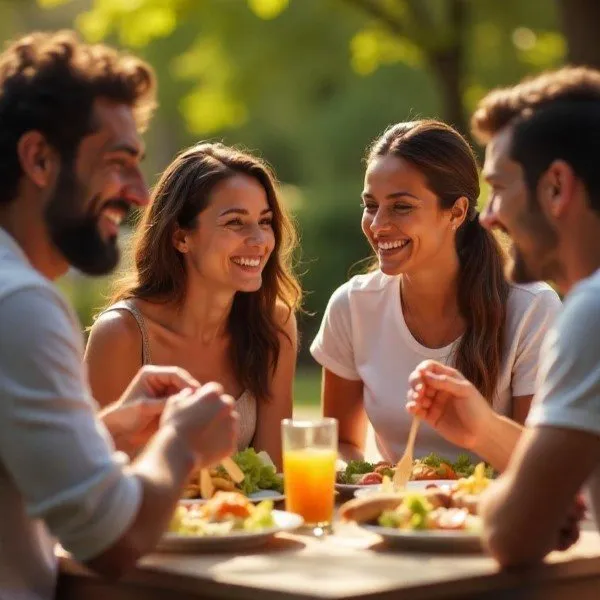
x=268 y=9
x=547 y=50
x=373 y=47
x=207 y=110
x=52 y=3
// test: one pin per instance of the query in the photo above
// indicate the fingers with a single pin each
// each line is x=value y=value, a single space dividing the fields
x=151 y=408
x=446 y=383
x=433 y=366
x=165 y=381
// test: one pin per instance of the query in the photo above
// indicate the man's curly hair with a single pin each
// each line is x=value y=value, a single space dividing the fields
x=503 y=105
x=49 y=82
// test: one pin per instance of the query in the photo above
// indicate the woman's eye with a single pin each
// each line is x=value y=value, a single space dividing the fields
x=402 y=207
x=267 y=222
x=369 y=207
x=234 y=223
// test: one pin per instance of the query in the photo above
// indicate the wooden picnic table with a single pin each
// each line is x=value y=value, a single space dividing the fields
x=350 y=564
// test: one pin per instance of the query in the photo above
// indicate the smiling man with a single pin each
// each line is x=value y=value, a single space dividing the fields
x=541 y=161
x=71 y=115
x=543 y=144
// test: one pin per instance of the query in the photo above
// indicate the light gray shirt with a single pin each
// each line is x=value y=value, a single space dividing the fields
x=569 y=372
x=60 y=478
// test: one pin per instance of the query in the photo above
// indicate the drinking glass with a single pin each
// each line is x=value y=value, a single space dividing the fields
x=310 y=450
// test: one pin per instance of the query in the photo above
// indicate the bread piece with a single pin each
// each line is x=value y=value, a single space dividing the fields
x=368 y=508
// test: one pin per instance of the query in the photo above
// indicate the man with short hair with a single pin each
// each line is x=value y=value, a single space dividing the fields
x=70 y=117
x=543 y=143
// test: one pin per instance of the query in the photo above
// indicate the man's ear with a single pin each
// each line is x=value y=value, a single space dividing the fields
x=556 y=189
x=37 y=158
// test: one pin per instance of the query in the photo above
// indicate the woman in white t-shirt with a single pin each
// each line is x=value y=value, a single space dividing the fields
x=438 y=292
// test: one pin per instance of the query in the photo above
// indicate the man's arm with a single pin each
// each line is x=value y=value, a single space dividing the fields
x=60 y=456
x=525 y=509
x=452 y=405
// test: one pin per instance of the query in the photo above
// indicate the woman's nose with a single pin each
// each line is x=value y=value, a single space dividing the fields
x=380 y=221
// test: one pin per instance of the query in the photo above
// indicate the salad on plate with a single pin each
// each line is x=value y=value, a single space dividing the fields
x=358 y=473
x=252 y=475
x=227 y=521
x=445 y=514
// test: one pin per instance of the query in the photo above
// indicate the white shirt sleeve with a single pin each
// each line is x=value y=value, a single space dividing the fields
x=535 y=323
x=333 y=348
x=569 y=393
x=58 y=453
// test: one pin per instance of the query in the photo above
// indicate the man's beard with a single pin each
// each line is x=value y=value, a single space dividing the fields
x=542 y=264
x=518 y=270
x=76 y=234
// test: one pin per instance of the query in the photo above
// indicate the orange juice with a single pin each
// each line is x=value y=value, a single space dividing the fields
x=309 y=481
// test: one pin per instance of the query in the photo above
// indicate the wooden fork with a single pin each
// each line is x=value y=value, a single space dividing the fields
x=404 y=465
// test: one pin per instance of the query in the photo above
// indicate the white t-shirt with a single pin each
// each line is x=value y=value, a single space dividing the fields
x=363 y=336
x=569 y=373
x=60 y=478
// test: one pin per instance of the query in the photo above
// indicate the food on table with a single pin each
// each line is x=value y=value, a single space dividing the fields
x=223 y=513
x=430 y=467
x=259 y=473
x=435 y=508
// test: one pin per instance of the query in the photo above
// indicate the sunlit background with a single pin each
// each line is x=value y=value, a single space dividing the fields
x=308 y=84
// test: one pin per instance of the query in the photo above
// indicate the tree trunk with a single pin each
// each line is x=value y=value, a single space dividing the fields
x=580 y=21
x=448 y=67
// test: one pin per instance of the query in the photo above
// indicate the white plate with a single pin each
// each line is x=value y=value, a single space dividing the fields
x=365 y=490
x=273 y=495
x=429 y=541
x=236 y=540
x=349 y=488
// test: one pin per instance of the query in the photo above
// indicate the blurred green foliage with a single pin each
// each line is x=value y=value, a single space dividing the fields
x=308 y=84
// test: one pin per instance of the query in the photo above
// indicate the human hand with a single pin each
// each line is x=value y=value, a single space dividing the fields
x=452 y=405
x=134 y=418
x=568 y=534
x=205 y=419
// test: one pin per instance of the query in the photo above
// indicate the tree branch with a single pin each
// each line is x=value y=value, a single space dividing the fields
x=376 y=10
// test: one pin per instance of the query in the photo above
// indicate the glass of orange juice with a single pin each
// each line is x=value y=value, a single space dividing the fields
x=310 y=449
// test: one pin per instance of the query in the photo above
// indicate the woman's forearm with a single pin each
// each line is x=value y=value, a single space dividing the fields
x=497 y=441
x=349 y=451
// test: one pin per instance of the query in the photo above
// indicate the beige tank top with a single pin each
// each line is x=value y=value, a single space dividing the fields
x=245 y=404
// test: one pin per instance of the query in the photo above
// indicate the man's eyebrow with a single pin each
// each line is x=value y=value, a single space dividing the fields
x=133 y=151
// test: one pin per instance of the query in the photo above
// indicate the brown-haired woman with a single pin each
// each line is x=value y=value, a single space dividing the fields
x=438 y=292
x=211 y=291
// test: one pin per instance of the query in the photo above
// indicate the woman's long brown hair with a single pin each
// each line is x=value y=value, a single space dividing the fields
x=449 y=166
x=159 y=273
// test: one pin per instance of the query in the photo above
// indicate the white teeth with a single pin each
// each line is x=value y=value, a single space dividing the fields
x=115 y=216
x=246 y=262
x=391 y=245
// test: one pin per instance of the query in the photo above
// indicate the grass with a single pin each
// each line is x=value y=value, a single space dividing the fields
x=307 y=387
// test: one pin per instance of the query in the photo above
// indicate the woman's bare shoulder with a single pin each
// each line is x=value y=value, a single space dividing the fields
x=116 y=328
